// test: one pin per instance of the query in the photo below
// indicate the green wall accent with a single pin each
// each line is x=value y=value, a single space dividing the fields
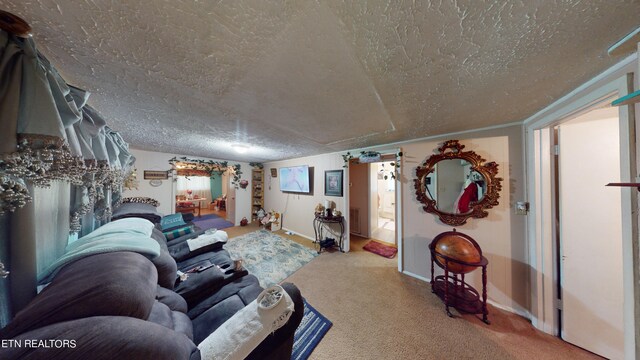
x=216 y=186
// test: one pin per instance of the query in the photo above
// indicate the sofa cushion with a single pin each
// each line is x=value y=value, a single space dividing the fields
x=118 y=283
x=176 y=233
x=165 y=264
x=181 y=251
x=230 y=289
x=105 y=338
x=166 y=267
x=215 y=316
x=174 y=320
x=196 y=232
x=172 y=220
x=221 y=258
x=200 y=285
x=174 y=301
x=139 y=210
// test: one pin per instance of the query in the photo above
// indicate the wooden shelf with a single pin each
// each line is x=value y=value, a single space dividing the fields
x=257 y=195
x=635 y=185
x=632 y=98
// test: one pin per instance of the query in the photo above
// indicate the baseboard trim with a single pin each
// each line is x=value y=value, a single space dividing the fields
x=416 y=276
x=297 y=233
x=524 y=314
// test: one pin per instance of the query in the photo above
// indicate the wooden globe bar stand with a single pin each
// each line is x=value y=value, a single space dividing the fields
x=451 y=287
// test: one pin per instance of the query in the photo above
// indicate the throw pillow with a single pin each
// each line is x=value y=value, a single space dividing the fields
x=141 y=200
x=170 y=221
x=170 y=235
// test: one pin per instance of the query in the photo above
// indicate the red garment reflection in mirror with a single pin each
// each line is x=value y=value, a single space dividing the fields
x=469 y=194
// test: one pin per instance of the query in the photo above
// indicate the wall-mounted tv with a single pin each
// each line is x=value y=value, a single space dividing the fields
x=295 y=179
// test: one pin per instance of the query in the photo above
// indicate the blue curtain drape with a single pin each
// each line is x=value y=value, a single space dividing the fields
x=216 y=186
x=61 y=167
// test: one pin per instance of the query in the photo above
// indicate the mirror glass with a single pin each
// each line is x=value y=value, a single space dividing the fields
x=457 y=185
x=454 y=185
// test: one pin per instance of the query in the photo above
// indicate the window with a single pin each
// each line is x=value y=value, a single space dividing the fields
x=199 y=185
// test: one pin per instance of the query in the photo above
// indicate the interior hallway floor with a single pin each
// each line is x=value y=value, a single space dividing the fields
x=386 y=231
x=379 y=313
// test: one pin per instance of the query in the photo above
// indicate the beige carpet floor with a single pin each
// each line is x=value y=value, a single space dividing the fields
x=379 y=313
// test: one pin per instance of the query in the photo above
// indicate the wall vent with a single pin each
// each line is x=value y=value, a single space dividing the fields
x=354 y=220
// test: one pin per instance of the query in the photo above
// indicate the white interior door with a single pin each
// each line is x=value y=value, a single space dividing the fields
x=373 y=198
x=591 y=233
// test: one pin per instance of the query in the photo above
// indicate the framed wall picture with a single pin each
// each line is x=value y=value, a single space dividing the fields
x=274 y=172
x=333 y=182
x=156 y=175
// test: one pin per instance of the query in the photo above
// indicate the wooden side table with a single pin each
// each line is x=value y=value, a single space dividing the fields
x=318 y=227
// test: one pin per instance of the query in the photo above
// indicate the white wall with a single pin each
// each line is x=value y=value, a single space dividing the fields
x=298 y=209
x=501 y=235
x=165 y=193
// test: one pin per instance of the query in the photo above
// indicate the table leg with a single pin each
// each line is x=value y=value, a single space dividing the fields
x=341 y=235
x=446 y=288
x=485 y=312
x=433 y=278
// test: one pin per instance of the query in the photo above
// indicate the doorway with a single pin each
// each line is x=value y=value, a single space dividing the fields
x=587 y=229
x=382 y=203
x=373 y=210
x=590 y=233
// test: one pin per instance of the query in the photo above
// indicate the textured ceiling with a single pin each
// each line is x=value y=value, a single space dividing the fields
x=295 y=78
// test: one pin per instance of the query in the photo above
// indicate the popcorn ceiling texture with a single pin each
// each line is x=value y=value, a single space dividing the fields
x=295 y=78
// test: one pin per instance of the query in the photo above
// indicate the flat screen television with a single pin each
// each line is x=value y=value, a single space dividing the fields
x=295 y=179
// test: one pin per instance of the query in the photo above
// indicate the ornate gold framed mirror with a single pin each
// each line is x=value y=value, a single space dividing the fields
x=457 y=185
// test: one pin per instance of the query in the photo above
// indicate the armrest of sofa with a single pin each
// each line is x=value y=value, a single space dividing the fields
x=279 y=344
x=101 y=337
x=251 y=329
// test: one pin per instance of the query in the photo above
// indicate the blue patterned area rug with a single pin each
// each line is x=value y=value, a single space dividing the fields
x=211 y=221
x=309 y=333
x=271 y=258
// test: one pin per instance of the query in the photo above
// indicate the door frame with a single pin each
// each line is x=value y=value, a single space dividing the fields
x=617 y=81
x=398 y=206
x=370 y=199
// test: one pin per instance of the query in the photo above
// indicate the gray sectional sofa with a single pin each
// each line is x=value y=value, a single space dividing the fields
x=122 y=305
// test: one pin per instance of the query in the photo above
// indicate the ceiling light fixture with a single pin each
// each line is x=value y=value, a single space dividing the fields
x=240 y=148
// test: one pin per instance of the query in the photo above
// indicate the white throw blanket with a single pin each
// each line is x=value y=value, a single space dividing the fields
x=129 y=234
x=246 y=329
x=207 y=239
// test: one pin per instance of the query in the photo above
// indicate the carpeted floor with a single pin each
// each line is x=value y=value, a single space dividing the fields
x=211 y=221
x=379 y=313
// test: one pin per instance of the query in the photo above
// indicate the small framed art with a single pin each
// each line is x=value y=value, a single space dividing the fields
x=333 y=182
x=156 y=175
